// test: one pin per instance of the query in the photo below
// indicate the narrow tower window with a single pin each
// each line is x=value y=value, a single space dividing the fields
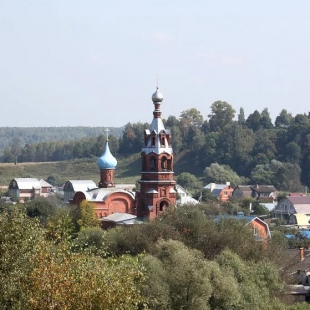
x=164 y=163
x=153 y=163
x=163 y=141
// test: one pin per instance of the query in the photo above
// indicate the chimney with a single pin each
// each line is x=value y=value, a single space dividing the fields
x=302 y=253
x=212 y=187
x=227 y=183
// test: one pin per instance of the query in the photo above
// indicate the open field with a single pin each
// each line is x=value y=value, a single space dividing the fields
x=127 y=171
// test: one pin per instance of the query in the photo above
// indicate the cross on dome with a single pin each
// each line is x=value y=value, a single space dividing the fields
x=107 y=131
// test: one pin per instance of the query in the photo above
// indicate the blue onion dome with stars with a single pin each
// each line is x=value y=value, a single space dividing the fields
x=107 y=160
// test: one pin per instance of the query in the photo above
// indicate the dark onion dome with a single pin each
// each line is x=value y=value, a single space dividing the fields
x=107 y=160
x=157 y=96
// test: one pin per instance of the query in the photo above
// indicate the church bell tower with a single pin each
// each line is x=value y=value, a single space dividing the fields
x=157 y=186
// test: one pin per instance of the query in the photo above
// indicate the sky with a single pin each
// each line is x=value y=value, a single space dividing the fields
x=96 y=62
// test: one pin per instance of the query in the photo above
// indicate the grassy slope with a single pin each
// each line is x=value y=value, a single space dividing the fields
x=127 y=171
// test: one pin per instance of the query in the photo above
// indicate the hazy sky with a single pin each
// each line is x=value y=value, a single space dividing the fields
x=95 y=62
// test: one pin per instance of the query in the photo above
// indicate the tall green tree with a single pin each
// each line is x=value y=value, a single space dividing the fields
x=264 y=149
x=171 y=122
x=190 y=126
x=186 y=277
x=284 y=119
x=177 y=141
x=191 y=118
x=20 y=237
x=64 y=280
x=84 y=215
x=187 y=180
x=42 y=208
x=241 y=117
x=292 y=153
x=222 y=113
x=253 y=121
x=133 y=137
x=216 y=173
x=208 y=153
x=265 y=120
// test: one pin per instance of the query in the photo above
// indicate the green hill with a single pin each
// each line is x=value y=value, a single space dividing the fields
x=127 y=171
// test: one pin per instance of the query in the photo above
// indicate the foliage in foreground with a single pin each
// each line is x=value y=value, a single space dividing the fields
x=37 y=274
x=180 y=278
x=170 y=264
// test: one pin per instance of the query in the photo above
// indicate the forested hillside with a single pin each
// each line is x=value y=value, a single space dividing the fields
x=16 y=137
x=225 y=147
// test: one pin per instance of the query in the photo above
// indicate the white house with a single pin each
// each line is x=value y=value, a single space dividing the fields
x=184 y=196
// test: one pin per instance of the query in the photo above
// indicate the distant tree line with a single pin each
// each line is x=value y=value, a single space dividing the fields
x=246 y=150
x=17 y=137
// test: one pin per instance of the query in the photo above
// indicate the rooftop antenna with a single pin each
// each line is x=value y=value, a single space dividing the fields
x=107 y=131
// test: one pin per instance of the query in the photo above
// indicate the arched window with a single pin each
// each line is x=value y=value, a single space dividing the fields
x=153 y=163
x=169 y=164
x=163 y=141
x=163 y=206
x=143 y=163
x=153 y=141
x=164 y=163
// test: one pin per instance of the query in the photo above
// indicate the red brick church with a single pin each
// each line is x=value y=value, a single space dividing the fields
x=157 y=186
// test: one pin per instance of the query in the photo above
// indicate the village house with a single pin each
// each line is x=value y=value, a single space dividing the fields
x=296 y=269
x=220 y=191
x=184 y=197
x=292 y=205
x=260 y=228
x=23 y=189
x=259 y=192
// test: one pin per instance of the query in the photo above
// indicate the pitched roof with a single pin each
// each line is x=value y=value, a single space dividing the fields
x=244 y=188
x=296 y=194
x=246 y=219
x=302 y=209
x=43 y=183
x=299 y=200
x=300 y=219
x=292 y=261
x=82 y=185
x=27 y=183
x=216 y=186
x=187 y=200
x=263 y=188
x=216 y=192
x=119 y=217
x=101 y=194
